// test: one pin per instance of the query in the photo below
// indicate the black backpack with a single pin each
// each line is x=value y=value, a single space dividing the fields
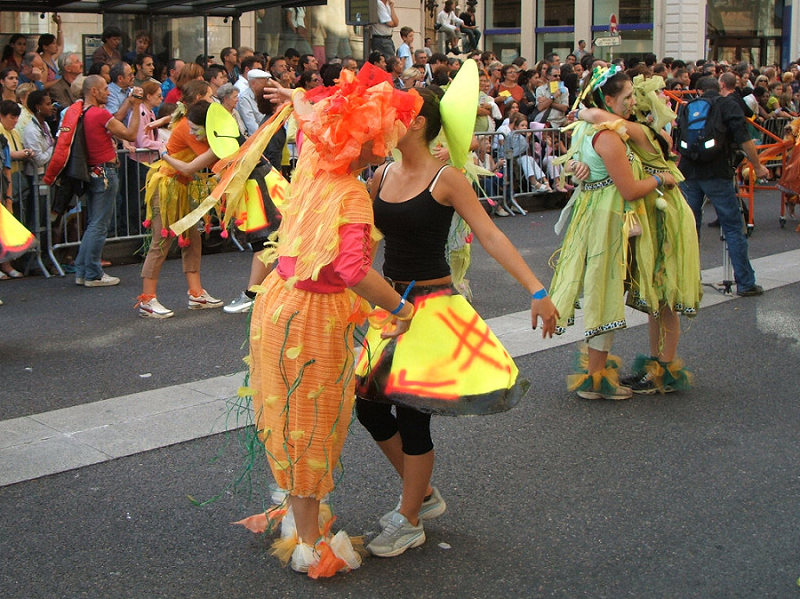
x=702 y=135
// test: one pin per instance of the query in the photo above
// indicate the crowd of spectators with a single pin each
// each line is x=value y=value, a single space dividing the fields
x=518 y=95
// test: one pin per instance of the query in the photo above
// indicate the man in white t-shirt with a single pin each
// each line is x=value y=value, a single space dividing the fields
x=448 y=22
x=382 y=30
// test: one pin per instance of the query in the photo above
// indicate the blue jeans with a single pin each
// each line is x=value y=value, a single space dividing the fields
x=722 y=195
x=100 y=205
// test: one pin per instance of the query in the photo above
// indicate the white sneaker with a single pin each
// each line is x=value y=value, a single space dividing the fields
x=80 y=281
x=104 y=281
x=239 y=305
x=398 y=535
x=203 y=301
x=153 y=309
x=433 y=507
x=500 y=211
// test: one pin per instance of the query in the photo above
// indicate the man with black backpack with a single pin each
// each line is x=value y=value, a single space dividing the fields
x=712 y=127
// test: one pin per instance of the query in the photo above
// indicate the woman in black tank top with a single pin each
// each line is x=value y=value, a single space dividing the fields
x=415 y=222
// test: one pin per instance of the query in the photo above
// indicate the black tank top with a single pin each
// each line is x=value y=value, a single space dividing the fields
x=416 y=234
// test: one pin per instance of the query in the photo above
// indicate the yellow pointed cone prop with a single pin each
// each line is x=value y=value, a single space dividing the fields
x=458 y=108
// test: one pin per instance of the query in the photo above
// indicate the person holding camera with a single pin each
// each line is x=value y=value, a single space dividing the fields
x=100 y=127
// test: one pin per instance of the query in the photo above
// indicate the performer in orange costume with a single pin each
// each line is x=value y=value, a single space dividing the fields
x=305 y=314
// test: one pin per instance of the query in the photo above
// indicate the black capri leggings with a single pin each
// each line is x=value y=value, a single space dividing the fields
x=414 y=426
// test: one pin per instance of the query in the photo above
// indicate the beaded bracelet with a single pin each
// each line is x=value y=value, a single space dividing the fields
x=541 y=294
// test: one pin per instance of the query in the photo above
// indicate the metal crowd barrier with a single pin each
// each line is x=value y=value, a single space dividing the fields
x=527 y=164
x=65 y=224
x=27 y=207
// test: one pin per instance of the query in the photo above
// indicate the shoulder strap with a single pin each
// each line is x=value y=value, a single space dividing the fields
x=436 y=178
x=383 y=177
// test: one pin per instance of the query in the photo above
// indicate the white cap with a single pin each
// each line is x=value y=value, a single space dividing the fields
x=257 y=74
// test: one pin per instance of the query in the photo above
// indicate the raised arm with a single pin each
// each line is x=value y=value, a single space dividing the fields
x=458 y=193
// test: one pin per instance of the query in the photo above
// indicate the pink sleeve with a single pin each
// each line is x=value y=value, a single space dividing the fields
x=355 y=253
x=144 y=139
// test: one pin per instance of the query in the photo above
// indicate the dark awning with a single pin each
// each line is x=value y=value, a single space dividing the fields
x=174 y=8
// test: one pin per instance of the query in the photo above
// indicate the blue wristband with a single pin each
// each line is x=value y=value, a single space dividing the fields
x=541 y=294
x=658 y=180
x=399 y=307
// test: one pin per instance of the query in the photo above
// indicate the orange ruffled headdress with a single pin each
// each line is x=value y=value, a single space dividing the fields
x=358 y=110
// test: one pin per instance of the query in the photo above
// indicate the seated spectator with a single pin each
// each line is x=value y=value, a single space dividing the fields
x=520 y=149
x=145 y=67
x=50 y=48
x=469 y=28
x=60 y=91
x=141 y=45
x=109 y=53
x=448 y=22
x=483 y=158
x=248 y=105
x=33 y=70
x=13 y=52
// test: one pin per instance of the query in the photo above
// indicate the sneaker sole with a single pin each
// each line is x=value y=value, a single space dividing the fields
x=145 y=314
x=651 y=391
x=596 y=395
x=416 y=542
x=236 y=310
x=204 y=306
x=99 y=284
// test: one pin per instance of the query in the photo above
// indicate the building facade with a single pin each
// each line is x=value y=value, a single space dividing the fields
x=759 y=31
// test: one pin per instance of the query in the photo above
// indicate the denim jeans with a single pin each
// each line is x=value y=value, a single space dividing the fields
x=722 y=195
x=100 y=201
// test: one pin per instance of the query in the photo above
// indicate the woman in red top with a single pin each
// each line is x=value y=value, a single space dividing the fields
x=508 y=89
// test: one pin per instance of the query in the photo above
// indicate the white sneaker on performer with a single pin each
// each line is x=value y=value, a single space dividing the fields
x=152 y=308
x=432 y=507
x=397 y=536
x=239 y=305
x=203 y=301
